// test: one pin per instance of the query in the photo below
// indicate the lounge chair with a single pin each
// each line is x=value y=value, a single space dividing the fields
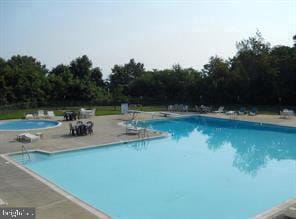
x=50 y=114
x=40 y=114
x=286 y=114
x=132 y=128
x=220 y=110
x=27 y=137
x=242 y=111
x=197 y=109
x=205 y=109
x=253 y=112
x=166 y=114
x=176 y=107
x=29 y=116
x=230 y=113
x=86 y=113
x=170 y=108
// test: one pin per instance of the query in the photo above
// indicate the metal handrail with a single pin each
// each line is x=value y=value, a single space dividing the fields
x=25 y=151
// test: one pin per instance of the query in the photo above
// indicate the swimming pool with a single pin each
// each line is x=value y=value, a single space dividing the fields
x=207 y=168
x=22 y=125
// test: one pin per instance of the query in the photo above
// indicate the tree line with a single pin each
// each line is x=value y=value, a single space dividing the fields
x=257 y=74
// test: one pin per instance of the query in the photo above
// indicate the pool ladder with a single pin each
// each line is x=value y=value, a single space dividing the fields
x=25 y=151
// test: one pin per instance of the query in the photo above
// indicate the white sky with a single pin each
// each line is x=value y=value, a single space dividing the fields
x=157 y=33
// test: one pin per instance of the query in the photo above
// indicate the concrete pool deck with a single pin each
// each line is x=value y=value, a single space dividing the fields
x=20 y=189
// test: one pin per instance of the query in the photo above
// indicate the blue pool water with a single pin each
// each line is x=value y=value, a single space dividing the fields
x=208 y=168
x=18 y=125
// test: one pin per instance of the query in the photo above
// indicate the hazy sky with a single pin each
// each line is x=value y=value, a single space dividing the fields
x=157 y=33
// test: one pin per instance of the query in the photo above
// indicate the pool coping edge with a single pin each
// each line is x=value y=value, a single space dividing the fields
x=58 y=189
x=36 y=129
x=276 y=209
x=98 y=213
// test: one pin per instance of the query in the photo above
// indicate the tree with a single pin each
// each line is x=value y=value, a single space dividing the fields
x=97 y=77
x=283 y=60
x=124 y=75
x=257 y=74
x=217 y=77
x=255 y=45
x=80 y=67
x=60 y=70
x=253 y=64
x=3 y=87
x=25 y=79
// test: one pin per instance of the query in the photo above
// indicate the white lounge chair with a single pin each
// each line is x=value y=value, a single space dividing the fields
x=86 y=113
x=29 y=116
x=230 y=112
x=286 y=114
x=132 y=128
x=40 y=114
x=220 y=110
x=166 y=114
x=27 y=137
x=253 y=112
x=50 y=114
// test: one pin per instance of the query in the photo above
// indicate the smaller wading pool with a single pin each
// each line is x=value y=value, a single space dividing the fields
x=22 y=125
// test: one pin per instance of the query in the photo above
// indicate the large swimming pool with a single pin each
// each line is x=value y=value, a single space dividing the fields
x=22 y=125
x=207 y=168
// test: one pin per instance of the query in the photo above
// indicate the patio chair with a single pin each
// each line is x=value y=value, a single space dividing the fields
x=133 y=130
x=166 y=114
x=253 y=112
x=176 y=107
x=242 y=111
x=197 y=108
x=29 y=116
x=86 y=113
x=220 y=110
x=286 y=114
x=27 y=137
x=170 y=108
x=90 y=126
x=50 y=114
x=40 y=114
x=230 y=112
x=180 y=108
x=72 y=129
x=205 y=109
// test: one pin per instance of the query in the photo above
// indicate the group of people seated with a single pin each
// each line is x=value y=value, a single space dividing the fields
x=81 y=128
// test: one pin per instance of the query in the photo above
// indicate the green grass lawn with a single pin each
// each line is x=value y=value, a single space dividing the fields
x=100 y=111
x=111 y=110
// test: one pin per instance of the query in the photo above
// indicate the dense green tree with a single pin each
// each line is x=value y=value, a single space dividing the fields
x=25 y=80
x=3 y=88
x=124 y=75
x=257 y=74
x=81 y=67
x=97 y=77
x=284 y=62
x=253 y=63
